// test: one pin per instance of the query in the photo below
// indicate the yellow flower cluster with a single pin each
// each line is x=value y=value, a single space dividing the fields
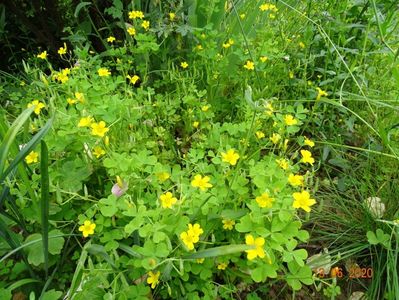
x=191 y=236
x=268 y=7
x=62 y=76
x=228 y=44
x=136 y=14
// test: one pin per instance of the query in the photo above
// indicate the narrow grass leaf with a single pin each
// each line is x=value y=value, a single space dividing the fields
x=44 y=201
x=27 y=149
x=218 y=251
x=10 y=136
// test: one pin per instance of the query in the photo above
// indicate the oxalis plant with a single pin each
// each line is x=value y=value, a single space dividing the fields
x=157 y=190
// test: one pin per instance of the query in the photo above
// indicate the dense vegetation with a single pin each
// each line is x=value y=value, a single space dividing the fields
x=199 y=150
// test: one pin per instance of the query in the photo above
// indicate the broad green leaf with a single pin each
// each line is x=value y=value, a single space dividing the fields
x=51 y=295
x=35 y=251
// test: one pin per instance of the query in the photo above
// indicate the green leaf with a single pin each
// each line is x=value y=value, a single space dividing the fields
x=35 y=250
x=372 y=238
x=300 y=255
x=218 y=251
x=245 y=224
x=79 y=7
x=99 y=250
x=5 y=294
x=108 y=206
x=27 y=149
x=44 y=202
x=264 y=271
x=9 y=138
x=51 y=295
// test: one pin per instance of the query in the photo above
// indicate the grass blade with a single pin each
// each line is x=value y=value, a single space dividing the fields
x=10 y=136
x=44 y=201
x=218 y=251
x=27 y=149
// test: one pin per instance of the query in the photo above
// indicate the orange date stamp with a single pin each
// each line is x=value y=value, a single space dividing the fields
x=337 y=272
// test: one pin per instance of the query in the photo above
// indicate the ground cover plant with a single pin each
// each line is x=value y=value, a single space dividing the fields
x=207 y=150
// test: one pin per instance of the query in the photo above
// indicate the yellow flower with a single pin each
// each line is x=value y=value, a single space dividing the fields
x=162 y=176
x=291 y=74
x=71 y=101
x=172 y=16
x=200 y=260
x=99 y=129
x=263 y=58
x=145 y=25
x=205 y=108
x=295 y=180
x=201 y=182
x=167 y=200
x=199 y=47
x=309 y=142
x=62 y=50
x=80 y=97
x=230 y=157
x=87 y=228
x=111 y=39
x=269 y=109
x=301 y=45
x=136 y=14
x=303 y=200
x=42 y=55
x=85 y=121
x=267 y=6
x=133 y=79
x=195 y=230
x=320 y=93
x=153 y=279
x=131 y=31
x=290 y=120
x=189 y=240
x=264 y=200
x=258 y=244
x=32 y=157
x=222 y=266
x=226 y=45
x=260 y=134
x=184 y=65
x=98 y=151
x=228 y=224
x=275 y=138
x=191 y=236
x=283 y=163
x=242 y=16
x=38 y=106
x=249 y=65
x=307 y=157
x=103 y=72
x=195 y=124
